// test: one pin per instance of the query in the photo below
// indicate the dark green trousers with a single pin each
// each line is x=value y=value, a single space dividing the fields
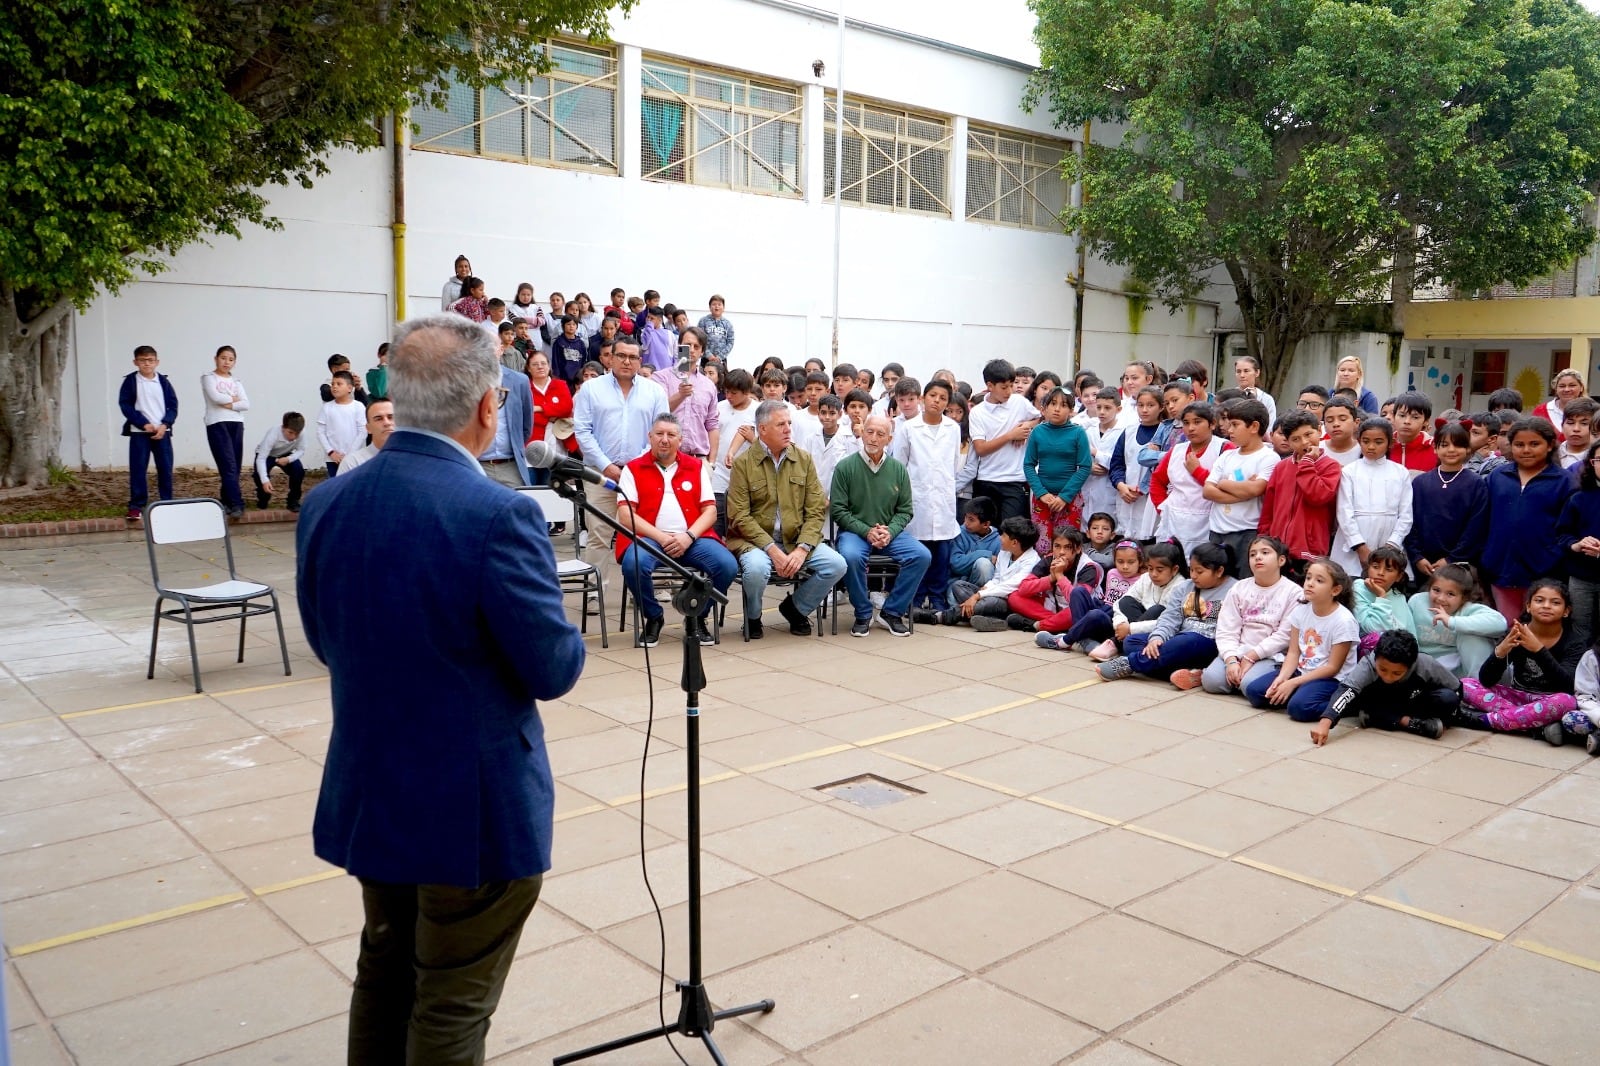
x=434 y=959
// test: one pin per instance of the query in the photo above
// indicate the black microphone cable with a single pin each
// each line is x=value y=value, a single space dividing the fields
x=644 y=762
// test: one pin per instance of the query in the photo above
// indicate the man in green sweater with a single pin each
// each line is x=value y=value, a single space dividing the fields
x=871 y=507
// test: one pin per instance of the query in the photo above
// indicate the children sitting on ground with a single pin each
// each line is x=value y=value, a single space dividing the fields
x=1184 y=639
x=1302 y=492
x=1450 y=625
x=1090 y=627
x=986 y=608
x=1374 y=505
x=1321 y=651
x=1397 y=687
x=1527 y=684
x=1586 y=689
x=1101 y=530
x=1068 y=588
x=972 y=555
x=1253 y=630
x=1380 y=601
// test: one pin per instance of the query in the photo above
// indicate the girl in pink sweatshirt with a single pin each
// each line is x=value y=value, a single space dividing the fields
x=1253 y=630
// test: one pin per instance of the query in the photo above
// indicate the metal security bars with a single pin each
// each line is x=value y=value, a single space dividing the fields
x=567 y=117
x=1015 y=180
x=705 y=127
x=894 y=159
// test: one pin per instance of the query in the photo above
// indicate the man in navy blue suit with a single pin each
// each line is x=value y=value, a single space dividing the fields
x=431 y=593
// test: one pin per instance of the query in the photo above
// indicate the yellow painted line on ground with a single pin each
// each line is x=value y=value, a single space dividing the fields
x=1004 y=790
x=1156 y=834
x=593 y=808
x=1079 y=811
x=1437 y=919
x=127 y=923
x=909 y=761
x=298 y=882
x=805 y=756
x=1557 y=954
x=193 y=696
x=28 y=721
x=1314 y=882
x=916 y=730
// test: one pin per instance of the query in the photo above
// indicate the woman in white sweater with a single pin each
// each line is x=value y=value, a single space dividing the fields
x=226 y=404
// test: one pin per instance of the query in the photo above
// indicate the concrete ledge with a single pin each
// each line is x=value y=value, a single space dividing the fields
x=110 y=530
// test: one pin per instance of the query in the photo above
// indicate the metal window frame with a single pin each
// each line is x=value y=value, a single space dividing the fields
x=662 y=92
x=976 y=145
x=542 y=108
x=900 y=163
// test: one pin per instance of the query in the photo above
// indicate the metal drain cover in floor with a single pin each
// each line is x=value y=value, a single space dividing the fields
x=870 y=791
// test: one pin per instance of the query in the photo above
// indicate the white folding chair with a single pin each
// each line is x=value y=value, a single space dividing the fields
x=577 y=576
x=188 y=522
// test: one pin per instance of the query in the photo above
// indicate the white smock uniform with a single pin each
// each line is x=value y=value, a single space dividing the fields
x=932 y=455
x=1185 y=513
x=1136 y=520
x=1374 y=509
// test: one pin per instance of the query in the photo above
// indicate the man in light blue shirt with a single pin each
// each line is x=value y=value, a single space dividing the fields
x=504 y=460
x=612 y=416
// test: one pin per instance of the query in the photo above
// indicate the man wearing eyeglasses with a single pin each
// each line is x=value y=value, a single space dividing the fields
x=1313 y=401
x=513 y=429
x=612 y=416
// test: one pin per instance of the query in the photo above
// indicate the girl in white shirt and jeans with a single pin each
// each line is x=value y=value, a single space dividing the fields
x=226 y=404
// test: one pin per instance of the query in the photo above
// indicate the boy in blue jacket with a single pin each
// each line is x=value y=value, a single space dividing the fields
x=973 y=553
x=149 y=408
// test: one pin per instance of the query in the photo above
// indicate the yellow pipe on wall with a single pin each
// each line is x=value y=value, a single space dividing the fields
x=401 y=128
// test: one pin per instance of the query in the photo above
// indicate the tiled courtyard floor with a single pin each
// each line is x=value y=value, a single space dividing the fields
x=1116 y=875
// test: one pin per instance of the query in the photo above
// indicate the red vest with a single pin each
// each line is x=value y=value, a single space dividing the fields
x=650 y=487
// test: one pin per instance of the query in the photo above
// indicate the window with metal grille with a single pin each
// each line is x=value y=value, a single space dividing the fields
x=892 y=159
x=705 y=127
x=1015 y=180
x=566 y=117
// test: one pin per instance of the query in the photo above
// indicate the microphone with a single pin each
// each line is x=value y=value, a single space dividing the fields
x=543 y=455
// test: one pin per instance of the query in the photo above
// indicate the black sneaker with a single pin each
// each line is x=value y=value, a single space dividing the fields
x=925 y=617
x=897 y=625
x=1432 y=728
x=753 y=629
x=293 y=508
x=701 y=628
x=862 y=627
x=1020 y=622
x=650 y=635
x=799 y=624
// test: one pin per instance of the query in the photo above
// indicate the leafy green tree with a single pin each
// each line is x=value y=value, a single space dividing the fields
x=129 y=128
x=1318 y=150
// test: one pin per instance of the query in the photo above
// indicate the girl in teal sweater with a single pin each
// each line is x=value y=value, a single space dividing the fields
x=1057 y=462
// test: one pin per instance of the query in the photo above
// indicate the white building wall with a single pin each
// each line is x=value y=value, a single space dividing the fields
x=925 y=291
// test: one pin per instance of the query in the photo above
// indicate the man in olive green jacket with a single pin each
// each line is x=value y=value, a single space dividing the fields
x=775 y=514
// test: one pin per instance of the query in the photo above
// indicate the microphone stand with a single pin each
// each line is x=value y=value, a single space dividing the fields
x=696 y=1016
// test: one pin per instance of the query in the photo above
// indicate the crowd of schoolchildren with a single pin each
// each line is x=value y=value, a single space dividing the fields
x=1344 y=558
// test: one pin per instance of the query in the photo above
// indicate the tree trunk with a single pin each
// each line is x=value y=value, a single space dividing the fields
x=32 y=358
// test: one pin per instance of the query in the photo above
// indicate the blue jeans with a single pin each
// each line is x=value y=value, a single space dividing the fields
x=140 y=451
x=705 y=555
x=1181 y=651
x=936 y=582
x=903 y=549
x=755 y=567
x=1307 y=703
x=227 y=447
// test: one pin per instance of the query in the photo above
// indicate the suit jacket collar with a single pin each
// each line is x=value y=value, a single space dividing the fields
x=435 y=445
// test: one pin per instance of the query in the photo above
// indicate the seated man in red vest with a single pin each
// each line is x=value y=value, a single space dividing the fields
x=681 y=522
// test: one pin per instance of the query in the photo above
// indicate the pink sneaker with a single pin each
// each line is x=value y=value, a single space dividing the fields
x=1105 y=652
x=1186 y=679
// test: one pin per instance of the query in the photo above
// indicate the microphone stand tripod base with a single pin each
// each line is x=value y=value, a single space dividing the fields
x=696 y=1016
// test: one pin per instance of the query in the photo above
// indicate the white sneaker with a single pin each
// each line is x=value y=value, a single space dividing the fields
x=583 y=539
